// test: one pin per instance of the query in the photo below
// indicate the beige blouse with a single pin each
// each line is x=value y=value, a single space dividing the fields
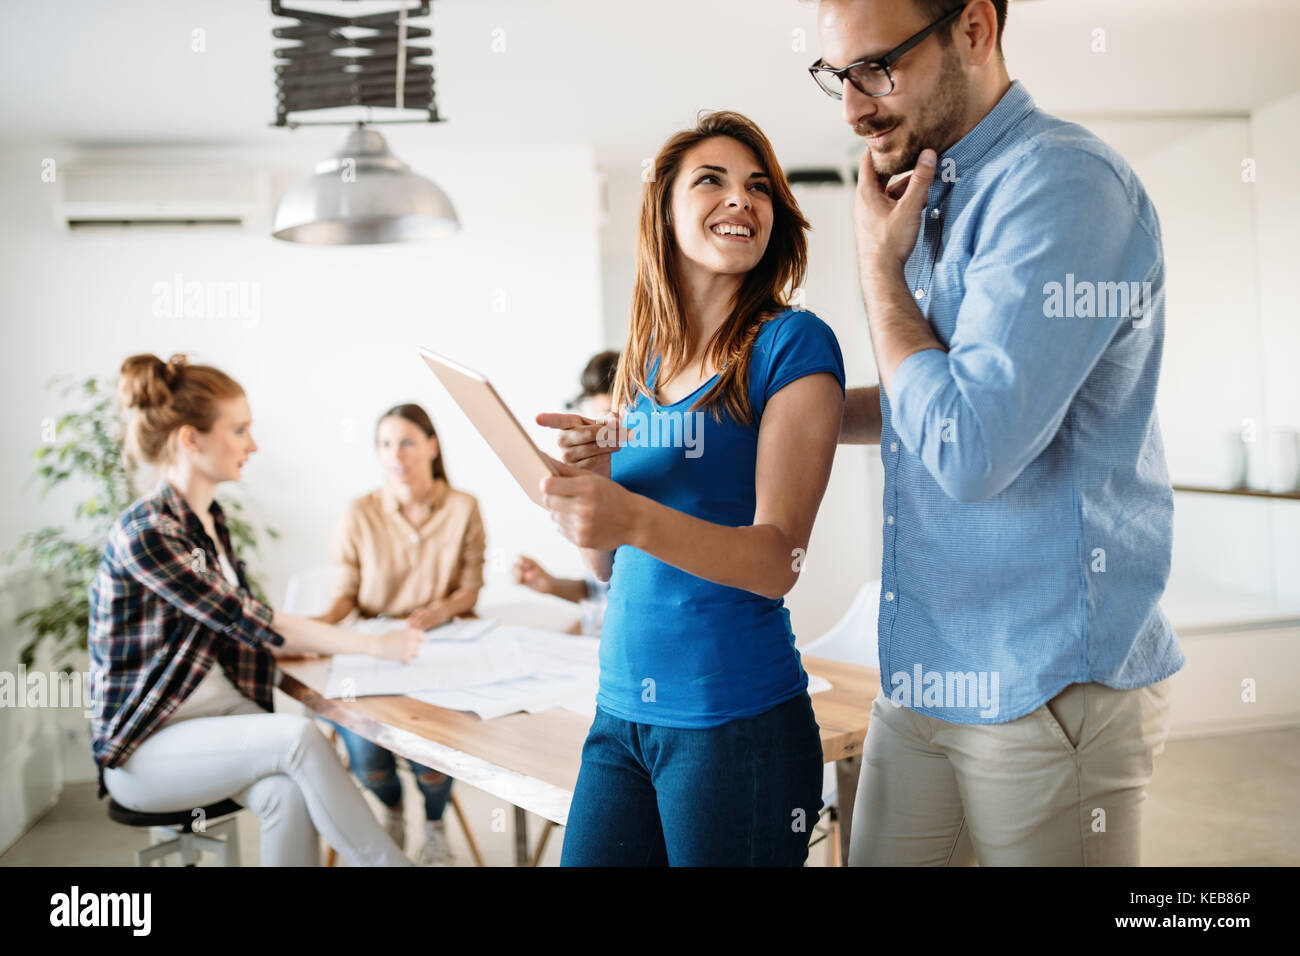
x=390 y=567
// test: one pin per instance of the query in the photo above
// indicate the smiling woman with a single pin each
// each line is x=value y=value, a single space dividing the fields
x=704 y=749
x=702 y=202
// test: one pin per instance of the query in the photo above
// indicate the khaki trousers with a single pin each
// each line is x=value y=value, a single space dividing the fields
x=1061 y=786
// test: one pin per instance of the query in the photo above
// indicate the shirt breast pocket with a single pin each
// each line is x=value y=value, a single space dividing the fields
x=947 y=290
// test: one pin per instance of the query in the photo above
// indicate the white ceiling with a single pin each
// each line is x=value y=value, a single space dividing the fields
x=620 y=74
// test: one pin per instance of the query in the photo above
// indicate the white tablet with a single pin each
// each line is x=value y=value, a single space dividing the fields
x=494 y=421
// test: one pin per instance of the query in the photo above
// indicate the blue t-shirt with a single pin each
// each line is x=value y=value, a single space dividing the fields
x=677 y=650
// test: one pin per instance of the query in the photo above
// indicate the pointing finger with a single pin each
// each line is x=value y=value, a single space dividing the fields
x=563 y=420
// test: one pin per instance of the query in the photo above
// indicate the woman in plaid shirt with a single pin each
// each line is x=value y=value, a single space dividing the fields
x=185 y=653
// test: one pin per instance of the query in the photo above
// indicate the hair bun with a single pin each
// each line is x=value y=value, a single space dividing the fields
x=146 y=381
x=173 y=368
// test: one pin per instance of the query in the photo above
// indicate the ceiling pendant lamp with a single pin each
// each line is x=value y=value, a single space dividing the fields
x=363 y=193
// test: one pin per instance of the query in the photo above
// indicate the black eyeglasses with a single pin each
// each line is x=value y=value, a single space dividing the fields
x=872 y=77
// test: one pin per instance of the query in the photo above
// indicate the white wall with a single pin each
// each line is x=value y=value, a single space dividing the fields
x=1212 y=331
x=844 y=551
x=1231 y=342
x=622 y=204
x=1211 y=378
x=1275 y=144
x=516 y=294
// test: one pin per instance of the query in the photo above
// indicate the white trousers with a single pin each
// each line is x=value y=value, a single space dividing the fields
x=279 y=766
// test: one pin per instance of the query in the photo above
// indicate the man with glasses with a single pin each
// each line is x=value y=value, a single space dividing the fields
x=1014 y=287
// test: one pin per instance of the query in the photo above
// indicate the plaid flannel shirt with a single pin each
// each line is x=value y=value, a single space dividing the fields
x=161 y=613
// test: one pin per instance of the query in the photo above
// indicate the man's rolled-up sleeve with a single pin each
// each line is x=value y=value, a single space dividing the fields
x=979 y=413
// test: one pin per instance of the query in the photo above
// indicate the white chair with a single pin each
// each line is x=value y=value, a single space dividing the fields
x=308 y=592
x=853 y=641
x=853 y=638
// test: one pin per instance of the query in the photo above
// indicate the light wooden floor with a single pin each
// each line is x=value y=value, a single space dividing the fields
x=1221 y=801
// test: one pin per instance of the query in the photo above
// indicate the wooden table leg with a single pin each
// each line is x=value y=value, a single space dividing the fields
x=464 y=828
x=846 y=789
x=521 y=837
x=541 y=843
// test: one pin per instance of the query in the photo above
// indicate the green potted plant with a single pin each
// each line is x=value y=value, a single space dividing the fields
x=85 y=446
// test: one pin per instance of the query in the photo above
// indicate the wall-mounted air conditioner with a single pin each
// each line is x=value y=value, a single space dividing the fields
x=153 y=196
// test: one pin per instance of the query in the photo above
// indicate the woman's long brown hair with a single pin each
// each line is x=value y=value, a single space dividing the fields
x=418 y=417
x=657 y=319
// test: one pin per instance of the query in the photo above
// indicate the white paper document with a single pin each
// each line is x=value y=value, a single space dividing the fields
x=461 y=629
x=585 y=703
x=485 y=668
x=566 y=668
x=440 y=665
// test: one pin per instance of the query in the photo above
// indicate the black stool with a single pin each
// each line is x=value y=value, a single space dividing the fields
x=187 y=832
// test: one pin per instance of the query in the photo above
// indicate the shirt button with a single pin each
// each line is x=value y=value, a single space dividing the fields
x=920 y=293
x=934 y=213
x=415 y=537
x=893 y=446
x=889 y=595
x=889 y=520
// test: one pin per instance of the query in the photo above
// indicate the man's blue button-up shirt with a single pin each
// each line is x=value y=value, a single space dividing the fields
x=1027 y=508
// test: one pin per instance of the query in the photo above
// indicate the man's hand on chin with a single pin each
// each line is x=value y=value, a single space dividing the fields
x=887 y=219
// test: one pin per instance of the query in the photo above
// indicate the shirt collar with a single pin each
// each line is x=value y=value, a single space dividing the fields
x=435 y=497
x=176 y=503
x=970 y=150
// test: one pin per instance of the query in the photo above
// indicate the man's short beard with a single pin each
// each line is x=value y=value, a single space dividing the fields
x=936 y=124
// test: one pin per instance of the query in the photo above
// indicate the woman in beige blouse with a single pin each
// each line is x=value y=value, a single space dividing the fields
x=410 y=550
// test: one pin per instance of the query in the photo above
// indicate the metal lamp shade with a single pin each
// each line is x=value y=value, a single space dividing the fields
x=363 y=194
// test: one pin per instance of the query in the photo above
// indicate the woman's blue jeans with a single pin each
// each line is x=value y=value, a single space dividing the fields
x=376 y=768
x=746 y=793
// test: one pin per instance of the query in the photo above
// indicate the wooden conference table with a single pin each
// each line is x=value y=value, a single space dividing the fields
x=531 y=760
